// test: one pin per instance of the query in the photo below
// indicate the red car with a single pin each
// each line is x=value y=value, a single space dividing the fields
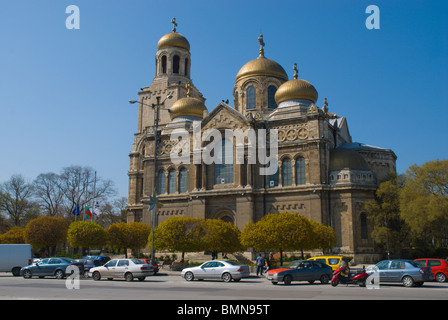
x=439 y=268
x=154 y=265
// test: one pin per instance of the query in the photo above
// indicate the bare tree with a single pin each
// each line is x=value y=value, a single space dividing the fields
x=48 y=189
x=82 y=186
x=15 y=199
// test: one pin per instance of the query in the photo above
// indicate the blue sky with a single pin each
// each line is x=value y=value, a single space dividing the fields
x=64 y=93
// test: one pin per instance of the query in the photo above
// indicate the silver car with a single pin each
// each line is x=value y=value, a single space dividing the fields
x=408 y=272
x=216 y=270
x=127 y=269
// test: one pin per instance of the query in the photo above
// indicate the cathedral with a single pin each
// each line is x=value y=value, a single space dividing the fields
x=322 y=174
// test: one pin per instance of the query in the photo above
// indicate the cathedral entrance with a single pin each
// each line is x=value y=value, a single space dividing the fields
x=225 y=215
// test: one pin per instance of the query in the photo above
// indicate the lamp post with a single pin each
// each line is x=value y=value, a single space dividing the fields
x=153 y=200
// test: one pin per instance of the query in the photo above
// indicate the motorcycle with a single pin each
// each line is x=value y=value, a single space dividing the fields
x=338 y=277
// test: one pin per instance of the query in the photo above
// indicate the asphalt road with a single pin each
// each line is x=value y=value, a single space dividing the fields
x=170 y=286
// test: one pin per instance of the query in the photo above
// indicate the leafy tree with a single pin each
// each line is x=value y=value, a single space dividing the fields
x=324 y=236
x=283 y=232
x=424 y=201
x=116 y=236
x=182 y=234
x=46 y=232
x=221 y=236
x=86 y=234
x=137 y=235
x=14 y=235
x=389 y=230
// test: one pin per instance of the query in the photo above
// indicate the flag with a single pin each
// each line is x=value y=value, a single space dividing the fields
x=88 y=213
x=96 y=211
x=76 y=211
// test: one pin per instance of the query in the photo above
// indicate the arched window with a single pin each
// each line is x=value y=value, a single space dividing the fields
x=300 y=171
x=250 y=98
x=364 y=232
x=271 y=97
x=273 y=180
x=161 y=182
x=183 y=180
x=176 y=61
x=186 y=67
x=164 y=64
x=286 y=172
x=172 y=181
x=224 y=170
x=236 y=100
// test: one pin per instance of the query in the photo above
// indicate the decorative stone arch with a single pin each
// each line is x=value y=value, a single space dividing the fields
x=225 y=214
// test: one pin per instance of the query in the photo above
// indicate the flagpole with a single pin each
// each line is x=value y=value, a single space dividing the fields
x=94 y=196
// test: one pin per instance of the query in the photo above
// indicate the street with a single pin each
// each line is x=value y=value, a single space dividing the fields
x=170 y=286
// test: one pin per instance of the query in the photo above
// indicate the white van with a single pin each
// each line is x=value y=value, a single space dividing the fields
x=14 y=256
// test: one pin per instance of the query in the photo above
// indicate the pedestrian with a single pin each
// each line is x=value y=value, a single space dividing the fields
x=260 y=265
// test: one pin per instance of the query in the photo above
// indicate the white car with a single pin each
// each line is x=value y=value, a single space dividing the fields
x=216 y=270
x=127 y=269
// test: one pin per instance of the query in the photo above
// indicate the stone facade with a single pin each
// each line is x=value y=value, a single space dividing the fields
x=322 y=174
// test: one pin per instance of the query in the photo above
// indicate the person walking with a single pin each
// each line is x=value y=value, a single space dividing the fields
x=260 y=265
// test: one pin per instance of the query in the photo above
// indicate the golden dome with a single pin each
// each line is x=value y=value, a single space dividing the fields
x=296 y=89
x=341 y=158
x=173 y=39
x=188 y=107
x=262 y=67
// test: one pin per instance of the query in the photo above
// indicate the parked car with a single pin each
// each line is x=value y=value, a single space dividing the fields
x=407 y=272
x=439 y=268
x=154 y=265
x=127 y=269
x=301 y=270
x=99 y=259
x=53 y=267
x=225 y=270
x=333 y=261
x=89 y=264
x=14 y=256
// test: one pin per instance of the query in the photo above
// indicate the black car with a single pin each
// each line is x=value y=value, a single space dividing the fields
x=301 y=270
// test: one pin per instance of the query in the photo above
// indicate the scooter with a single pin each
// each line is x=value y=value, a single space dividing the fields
x=359 y=278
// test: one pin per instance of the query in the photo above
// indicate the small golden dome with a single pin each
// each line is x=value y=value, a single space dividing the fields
x=296 y=89
x=262 y=67
x=173 y=39
x=188 y=107
x=341 y=158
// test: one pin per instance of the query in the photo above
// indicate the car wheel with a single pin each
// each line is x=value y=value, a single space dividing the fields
x=15 y=272
x=324 y=279
x=287 y=280
x=408 y=281
x=128 y=276
x=96 y=276
x=440 y=277
x=27 y=274
x=227 y=277
x=59 y=274
x=189 y=276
